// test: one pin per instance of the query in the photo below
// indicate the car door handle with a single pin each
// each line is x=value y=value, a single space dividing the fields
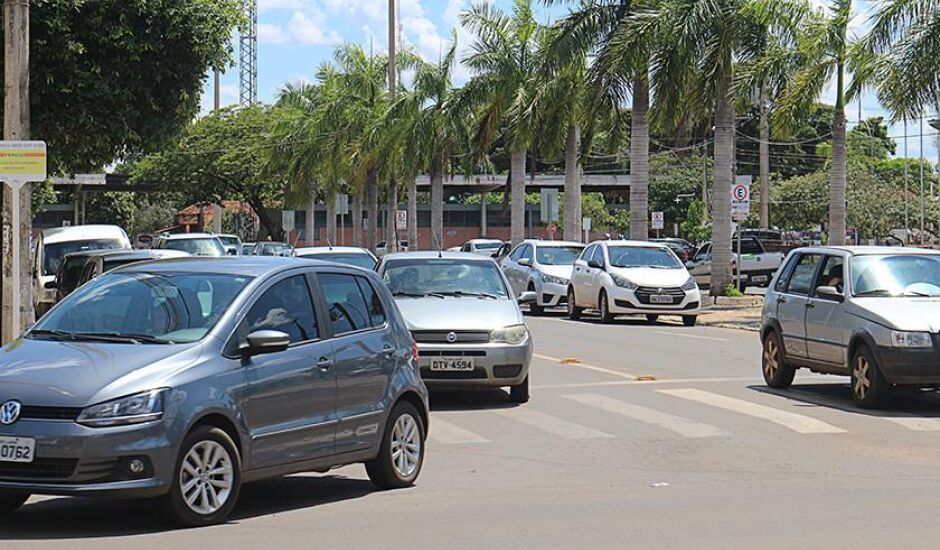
x=782 y=299
x=810 y=305
x=325 y=363
x=388 y=351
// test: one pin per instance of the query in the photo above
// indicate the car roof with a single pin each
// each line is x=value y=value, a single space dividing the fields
x=869 y=250
x=475 y=241
x=251 y=266
x=124 y=254
x=82 y=232
x=433 y=255
x=621 y=242
x=95 y=252
x=540 y=242
x=177 y=236
x=333 y=250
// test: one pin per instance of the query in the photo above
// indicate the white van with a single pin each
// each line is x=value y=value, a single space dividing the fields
x=55 y=243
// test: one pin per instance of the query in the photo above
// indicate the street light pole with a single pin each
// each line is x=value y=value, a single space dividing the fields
x=17 y=310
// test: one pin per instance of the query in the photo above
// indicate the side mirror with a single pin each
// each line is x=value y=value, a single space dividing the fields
x=525 y=261
x=231 y=250
x=50 y=285
x=595 y=264
x=527 y=297
x=830 y=293
x=266 y=341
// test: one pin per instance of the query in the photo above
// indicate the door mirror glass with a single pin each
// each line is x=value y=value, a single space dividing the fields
x=50 y=285
x=527 y=297
x=525 y=261
x=595 y=264
x=829 y=293
x=267 y=341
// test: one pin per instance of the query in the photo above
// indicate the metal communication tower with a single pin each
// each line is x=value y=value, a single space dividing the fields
x=248 y=56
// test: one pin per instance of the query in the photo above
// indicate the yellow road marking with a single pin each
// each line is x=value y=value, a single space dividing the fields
x=611 y=372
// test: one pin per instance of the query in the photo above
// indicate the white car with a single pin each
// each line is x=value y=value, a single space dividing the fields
x=632 y=278
x=483 y=247
x=196 y=244
x=52 y=246
x=349 y=255
x=543 y=267
x=381 y=248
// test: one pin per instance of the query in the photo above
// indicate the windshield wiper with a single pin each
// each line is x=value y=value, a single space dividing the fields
x=128 y=337
x=474 y=294
x=55 y=334
x=875 y=292
x=417 y=294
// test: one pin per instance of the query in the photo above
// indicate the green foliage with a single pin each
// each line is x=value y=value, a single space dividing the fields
x=43 y=194
x=732 y=291
x=693 y=227
x=112 y=78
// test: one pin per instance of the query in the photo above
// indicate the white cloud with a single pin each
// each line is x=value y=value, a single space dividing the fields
x=272 y=34
x=452 y=11
x=271 y=5
x=307 y=28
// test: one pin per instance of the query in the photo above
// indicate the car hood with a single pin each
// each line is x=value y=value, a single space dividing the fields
x=458 y=313
x=78 y=374
x=915 y=314
x=563 y=271
x=648 y=276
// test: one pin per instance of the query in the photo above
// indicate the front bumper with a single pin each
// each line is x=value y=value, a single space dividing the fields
x=495 y=365
x=552 y=295
x=71 y=459
x=909 y=367
x=626 y=301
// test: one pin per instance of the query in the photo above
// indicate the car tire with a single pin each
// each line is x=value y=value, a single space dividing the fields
x=11 y=501
x=574 y=312
x=869 y=386
x=520 y=392
x=404 y=432
x=604 y=308
x=650 y=318
x=208 y=467
x=777 y=374
x=689 y=320
x=534 y=307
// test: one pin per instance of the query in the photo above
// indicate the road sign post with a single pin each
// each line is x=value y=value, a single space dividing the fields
x=586 y=227
x=401 y=220
x=658 y=222
x=549 y=205
x=740 y=210
x=552 y=229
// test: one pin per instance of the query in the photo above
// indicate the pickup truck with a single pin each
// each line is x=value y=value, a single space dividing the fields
x=757 y=264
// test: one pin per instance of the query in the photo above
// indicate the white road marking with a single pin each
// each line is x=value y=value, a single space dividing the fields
x=796 y=422
x=680 y=425
x=687 y=335
x=914 y=423
x=645 y=382
x=617 y=373
x=553 y=425
x=443 y=431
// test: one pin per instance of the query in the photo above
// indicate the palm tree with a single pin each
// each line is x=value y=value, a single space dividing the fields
x=504 y=56
x=827 y=46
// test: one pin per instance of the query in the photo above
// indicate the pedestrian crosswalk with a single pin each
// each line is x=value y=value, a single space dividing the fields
x=691 y=413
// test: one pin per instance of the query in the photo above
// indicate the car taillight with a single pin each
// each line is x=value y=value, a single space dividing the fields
x=414 y=351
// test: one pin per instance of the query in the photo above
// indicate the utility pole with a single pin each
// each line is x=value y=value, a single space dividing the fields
x=391 y=227
x=907 y=216
x=921 y=179
x=216 y=104
x=17 y=310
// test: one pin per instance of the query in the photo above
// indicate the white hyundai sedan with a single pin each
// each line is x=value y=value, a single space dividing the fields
x=632 y=278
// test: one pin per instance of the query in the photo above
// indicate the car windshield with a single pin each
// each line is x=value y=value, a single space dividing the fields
x=642 y=256
x=444 y=277
x=896 y=275
x=557 y=255
x=488 y=246
x=275 y=249
x=209 y=246
x=349 y=258
x=71 y=272
x=54 y=253
x=229 y=240
x=108 y=265
x=143 y=308
x=248 y=249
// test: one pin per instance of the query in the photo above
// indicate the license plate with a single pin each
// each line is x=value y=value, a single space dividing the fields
x=452 y=364
x=658 y=299
x=17 y=449
x=759 y=278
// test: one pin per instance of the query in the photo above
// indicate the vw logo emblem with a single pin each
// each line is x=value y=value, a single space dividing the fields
x=451 y=337
x=10 y=412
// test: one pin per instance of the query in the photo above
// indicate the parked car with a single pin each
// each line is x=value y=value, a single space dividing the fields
x=69 y=275
x=870 y=313
x=502 y=252
x=350 y=255
x=381 y=248
x=632 y=277
x=542 y=267
x=484 y=247
x=681 y=247
x=464 y=318
x=182 y=379
x=98 y=264
x=273 y=248
x=248 y=249
x=232 y=244
x=757 y=264
x=196 y=244
x=52 y=246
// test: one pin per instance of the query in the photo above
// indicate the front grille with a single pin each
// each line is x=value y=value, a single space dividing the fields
x=440 y=336
x=453 y=353
x=643 y=294
x=33 y=412
x=40 y=468
x=475 y=374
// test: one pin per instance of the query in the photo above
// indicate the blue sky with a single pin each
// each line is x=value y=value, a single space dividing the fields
x=297 y=35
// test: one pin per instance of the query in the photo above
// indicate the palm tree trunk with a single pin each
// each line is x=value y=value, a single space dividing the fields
x=837 y=181
x=640 y=158
x=331 y=219
x=311 y=216
x=573 y=184
x=517 y=198
x=721 y=194
x=437 y=202
x=357 y=219
x=372 y=208
x=413 y=213
x=391 y=226
x=764 y=152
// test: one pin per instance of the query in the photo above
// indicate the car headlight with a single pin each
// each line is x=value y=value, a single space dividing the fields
x=554 y=280
x=133 y=409
x=515 y=334
x=904 y=339
x=689 y=285
x=623 y=282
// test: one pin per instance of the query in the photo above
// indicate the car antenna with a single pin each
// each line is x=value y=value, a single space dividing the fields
x=329 y=243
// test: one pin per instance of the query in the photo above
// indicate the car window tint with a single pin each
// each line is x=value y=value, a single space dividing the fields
x=286 y=306
x=529 y=252
x=803 y=274
x=588 y=252
x=345 y=303
x=832 y=273
x=599 y=254
x=785 y=273
x=749 y=246
x=373 y=302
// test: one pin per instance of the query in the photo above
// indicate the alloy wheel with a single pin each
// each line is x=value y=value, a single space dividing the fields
x=771 y=358
x=206 y=477
x=862 y=377
x=406 y=446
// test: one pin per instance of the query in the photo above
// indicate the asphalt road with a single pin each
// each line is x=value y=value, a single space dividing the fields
x=661 y=436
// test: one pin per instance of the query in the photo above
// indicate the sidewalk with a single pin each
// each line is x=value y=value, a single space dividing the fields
x=737 y=313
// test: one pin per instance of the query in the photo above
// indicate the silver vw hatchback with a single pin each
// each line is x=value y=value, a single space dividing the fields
x=182 y=379
x=871 y=313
